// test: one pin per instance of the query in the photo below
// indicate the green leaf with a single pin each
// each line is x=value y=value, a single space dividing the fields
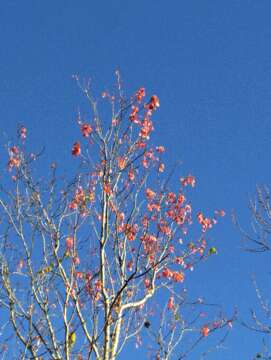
x=212 y=251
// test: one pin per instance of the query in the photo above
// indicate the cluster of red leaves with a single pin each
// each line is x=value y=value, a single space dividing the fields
x=86 y=130
x=207 y=223
x=93 y=287
x=131 y=231
x=23 y=132
x=153 y=104
x=176 y=276
x=121 y=163
x=80 y=200
x=150 y=194
x=131 y=174
x=107 y=188
x=171 y=303
x=160 y=149
x=76 y=149
x=134 y=115
x=188 y=180
x=146 y=128
x=140 y=94
x=146 y=125
x=177 y=211
x=14 y=158
x=151 y=246
x=71 y=251
x=149 y=158
x=69 y=242
x=15 y=155
x=205 y=330
x=164 y=227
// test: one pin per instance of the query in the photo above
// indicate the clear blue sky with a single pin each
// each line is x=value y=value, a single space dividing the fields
x=210 y=64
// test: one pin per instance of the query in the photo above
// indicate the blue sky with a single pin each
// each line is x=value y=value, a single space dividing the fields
x=210 y=64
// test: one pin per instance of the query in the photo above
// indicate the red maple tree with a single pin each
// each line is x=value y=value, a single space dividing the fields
x=89 y=264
